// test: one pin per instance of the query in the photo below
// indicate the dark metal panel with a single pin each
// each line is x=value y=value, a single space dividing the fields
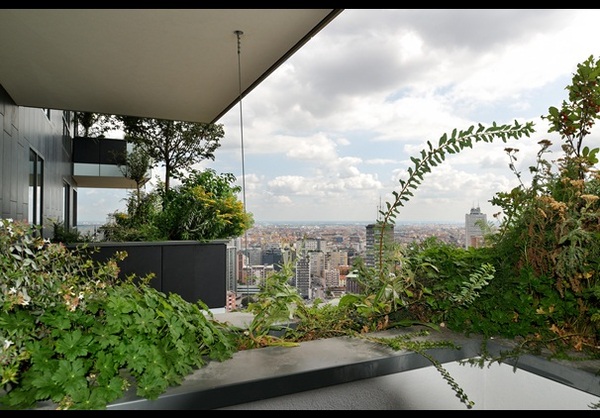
x=113 y=151
x=196 y=272
x=141 y=260
x=22 y=129
x=86 y=150
x=99 y=151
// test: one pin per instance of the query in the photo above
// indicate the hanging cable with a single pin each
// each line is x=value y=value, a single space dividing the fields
x=238 y=34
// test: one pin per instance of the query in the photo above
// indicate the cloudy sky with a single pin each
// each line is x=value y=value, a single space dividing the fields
x=329 y=134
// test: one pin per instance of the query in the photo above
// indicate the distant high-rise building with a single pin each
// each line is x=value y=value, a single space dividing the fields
x=308 y=244
x=332 y=278
x=473 y=229
x=317 y=263
x=302 y=281
x=336 y=259
x=254 y=255
x=373 y=240
x=273 y=256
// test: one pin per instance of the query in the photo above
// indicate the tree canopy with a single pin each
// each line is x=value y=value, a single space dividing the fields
x=176 y=145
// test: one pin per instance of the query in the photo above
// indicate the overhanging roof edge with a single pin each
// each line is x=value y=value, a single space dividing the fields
x=324 y=22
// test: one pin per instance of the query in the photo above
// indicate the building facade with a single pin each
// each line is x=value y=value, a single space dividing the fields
x=35 y=162
x=303 y=276
x=474 y=220
x=373 y=240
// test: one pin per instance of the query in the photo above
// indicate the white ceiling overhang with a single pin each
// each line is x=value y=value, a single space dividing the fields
x=177 y=64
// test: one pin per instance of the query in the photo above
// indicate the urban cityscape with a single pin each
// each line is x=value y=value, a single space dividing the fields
x=322 y=254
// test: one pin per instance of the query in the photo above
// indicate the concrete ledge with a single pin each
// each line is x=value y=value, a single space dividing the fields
x=269 y=372
x=582 y=375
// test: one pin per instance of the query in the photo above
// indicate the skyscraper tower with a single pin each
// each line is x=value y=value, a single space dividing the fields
x=303 y=275
x=373 y=237
x=473 y=229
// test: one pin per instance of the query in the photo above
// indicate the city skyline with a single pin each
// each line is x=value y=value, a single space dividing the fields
x=330 y=133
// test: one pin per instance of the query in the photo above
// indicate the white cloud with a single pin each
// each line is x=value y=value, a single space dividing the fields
x=327 y=134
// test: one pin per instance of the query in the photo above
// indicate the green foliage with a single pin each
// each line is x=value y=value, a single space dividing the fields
x=174 y=144
x=432 y=156
x=549 y=239
x=74 y=335
x=448 y=144
x=203 y=208
x=135 y=167
x=381 y=294
x=138 y=224
x=93 y=125
x=392 y=292
x=66 y=235
x=578 y=115
x=276 y=306
x=279 y=302
x=537 y=278
x=324 y=320
x=447 y=278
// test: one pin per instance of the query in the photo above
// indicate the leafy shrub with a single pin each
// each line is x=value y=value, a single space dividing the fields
x=72 y=334
x=538 y=278
x=548 y=246
x=203 y=208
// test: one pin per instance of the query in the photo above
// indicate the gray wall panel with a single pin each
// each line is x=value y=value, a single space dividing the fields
x=24 y=128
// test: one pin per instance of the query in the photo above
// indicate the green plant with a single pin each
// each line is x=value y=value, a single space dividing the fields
x=139 y=223
x=93 y=125
x=432 y=156
x=391 y=286
x=204 y=207
x=276 y=305
x=177 y=145
x=536 y=279
x=66 y=235
x=323 y=320
x=134 y=165
x=543 y=257
x=279 y=302
x=75 y=335
x=549 y=237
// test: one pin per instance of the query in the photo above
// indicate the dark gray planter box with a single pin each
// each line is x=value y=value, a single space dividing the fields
x=192 y=269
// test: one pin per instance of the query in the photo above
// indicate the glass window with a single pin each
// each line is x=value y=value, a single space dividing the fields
x=67 y=205
x=36 y=188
